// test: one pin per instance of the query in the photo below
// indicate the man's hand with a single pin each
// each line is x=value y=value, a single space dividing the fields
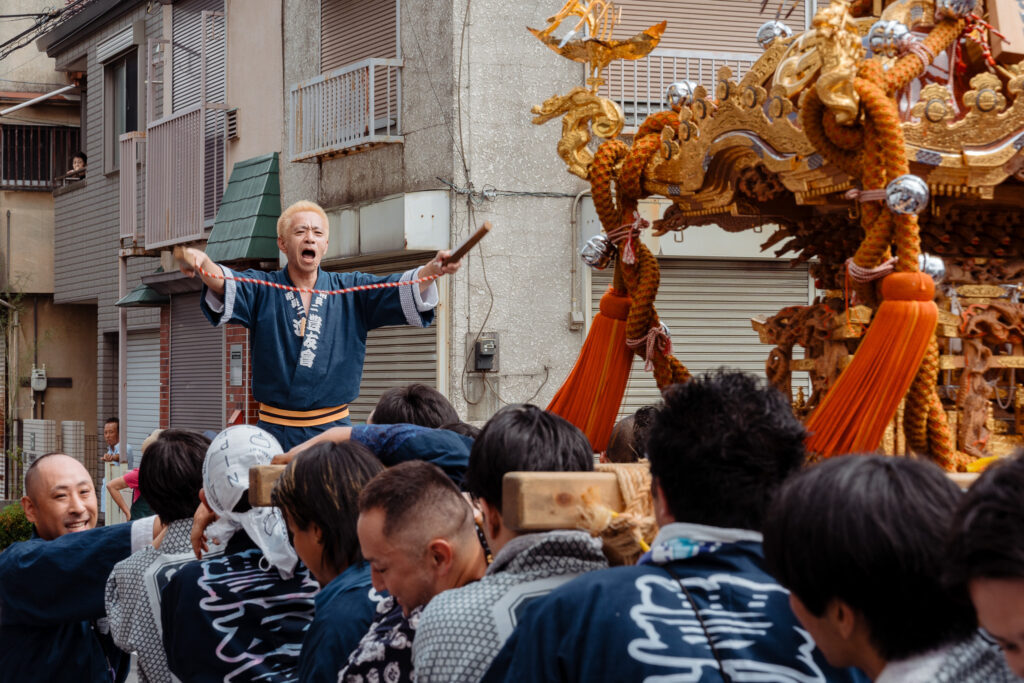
x=190 y=260
x=438 y=266
x=111 y=457
x=286 y=458
x=202 y=518
x=159 y=532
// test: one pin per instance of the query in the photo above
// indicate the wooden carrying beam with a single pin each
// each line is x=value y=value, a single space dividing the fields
x=261 y=482
x=535 y=501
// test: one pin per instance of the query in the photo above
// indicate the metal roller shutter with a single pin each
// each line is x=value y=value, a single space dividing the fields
x=719 y=26
x=353 y=30
x=197 y=367
x=186 y=90
x=188 y=44
x=697 y=42
x=708 y=305
x=143 y=387
x=395 y=356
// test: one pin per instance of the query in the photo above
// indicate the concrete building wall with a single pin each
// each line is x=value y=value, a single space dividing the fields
x=33 y=69
x=519 y=279
x=59 y=338
x=28 y=266
x=254 y=77
x=472 y=126
x=301 y=29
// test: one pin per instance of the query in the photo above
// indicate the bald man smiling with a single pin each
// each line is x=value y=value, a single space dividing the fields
x=51 y=586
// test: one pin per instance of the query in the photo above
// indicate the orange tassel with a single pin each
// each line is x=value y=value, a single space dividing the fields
x=854 y=414
x=591 y=394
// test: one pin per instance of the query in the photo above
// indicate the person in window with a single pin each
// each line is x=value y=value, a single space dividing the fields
x=78 y=162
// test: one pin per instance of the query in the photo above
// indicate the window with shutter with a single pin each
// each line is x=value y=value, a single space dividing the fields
x=697 y=42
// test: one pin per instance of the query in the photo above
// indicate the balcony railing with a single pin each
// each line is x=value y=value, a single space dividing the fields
x=31 y=157
x=184 y=174
x=638 y=86
x=131 y=156
x=345 y=109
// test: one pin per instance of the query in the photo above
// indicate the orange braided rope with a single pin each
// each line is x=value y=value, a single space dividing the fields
x=907 y=317
x=627 y=322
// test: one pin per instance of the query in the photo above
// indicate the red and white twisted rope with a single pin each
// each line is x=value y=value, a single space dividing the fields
x=306 y=290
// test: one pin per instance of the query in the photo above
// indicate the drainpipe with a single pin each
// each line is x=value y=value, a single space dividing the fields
x=36 y=100
x=576 y=321
x=122 y=352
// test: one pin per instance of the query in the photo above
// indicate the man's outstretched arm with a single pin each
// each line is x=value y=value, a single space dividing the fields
x=190 y=262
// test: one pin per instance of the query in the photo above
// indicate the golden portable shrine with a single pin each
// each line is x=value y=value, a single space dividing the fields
x=886 y=142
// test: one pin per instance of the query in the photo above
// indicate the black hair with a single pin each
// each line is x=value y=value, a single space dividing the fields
x=720 y=447
x=524 y=438
x=628 y=442
x=80 y=155
x=987 y=534
x=112 y=419
x=411 y=489
x=415 y=404
x=463 y=428
x=171 y=474
x=643 y=418
x=322 y=486
x=870 y=531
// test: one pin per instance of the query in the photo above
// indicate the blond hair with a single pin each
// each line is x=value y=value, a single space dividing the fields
x=298 y=207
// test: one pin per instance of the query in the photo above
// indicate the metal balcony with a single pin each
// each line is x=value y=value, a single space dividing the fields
x=347 y=109
x=638 y=86
x=132 y=155
x=184 y=174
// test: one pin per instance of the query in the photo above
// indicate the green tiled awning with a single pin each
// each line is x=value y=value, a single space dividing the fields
x=246 y=224
x=143 y=295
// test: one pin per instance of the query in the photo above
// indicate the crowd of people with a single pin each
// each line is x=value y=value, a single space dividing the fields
x=390 y=552
x=386 y=556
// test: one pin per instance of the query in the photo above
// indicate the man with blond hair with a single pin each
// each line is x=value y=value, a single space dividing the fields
x=301 y=338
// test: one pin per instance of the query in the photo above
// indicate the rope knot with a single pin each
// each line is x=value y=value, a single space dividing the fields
x=865 y=195
x=863 y=275
x=625 y=233
x=657 y=338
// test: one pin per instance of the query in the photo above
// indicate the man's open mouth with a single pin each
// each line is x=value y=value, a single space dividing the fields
x=308 y=254
x=77 y=526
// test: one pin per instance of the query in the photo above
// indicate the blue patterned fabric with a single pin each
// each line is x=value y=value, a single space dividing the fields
x=384 y=655
x=51 y=598
x=233 y=617
x=636 y=623
x=344 y=609
x=303 y=361
x=397 y=443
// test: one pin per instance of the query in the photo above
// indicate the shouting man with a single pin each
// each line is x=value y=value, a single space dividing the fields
x=301 y=338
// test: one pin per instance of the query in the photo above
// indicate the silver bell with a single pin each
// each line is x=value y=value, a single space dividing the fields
x=889 y=38
x=907 y=194
x=932 y=266
x=598 y=252
x=680 y=93
x=771 y=31
x=955 y=9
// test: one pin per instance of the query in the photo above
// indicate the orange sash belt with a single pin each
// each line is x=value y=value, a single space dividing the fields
x=302 y=418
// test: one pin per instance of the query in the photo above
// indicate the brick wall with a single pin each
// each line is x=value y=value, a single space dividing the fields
x=238 y=397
